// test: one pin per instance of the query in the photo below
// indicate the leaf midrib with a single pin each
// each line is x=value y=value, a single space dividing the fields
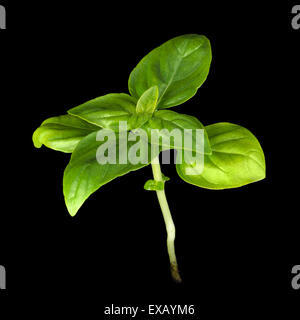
x=172 y=77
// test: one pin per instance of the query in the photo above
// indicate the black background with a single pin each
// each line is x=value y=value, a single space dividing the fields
x=235 y=248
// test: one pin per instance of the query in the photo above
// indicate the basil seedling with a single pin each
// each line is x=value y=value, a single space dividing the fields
x=168 y=76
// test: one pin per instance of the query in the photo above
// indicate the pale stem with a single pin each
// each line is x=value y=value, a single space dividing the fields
x=168 y=220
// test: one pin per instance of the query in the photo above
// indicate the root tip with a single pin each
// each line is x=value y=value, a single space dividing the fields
x=175 y=273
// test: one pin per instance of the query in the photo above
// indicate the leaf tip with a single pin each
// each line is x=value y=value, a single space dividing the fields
x=72 y=213
x=72 y=209
x=36 y=140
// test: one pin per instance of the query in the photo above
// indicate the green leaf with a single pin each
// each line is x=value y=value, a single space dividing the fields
x=178 y=67
x=148 y=101
x=165 y=178
x=237 y=159
x=107 y=111
x=62 y=133
x=84 y=175
x=165 y=121
x=153 y=185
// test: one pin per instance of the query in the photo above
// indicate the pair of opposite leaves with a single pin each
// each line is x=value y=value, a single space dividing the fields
x=166 y=77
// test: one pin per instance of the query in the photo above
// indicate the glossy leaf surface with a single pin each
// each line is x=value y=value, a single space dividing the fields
x=165 y=121
x=237 y=159
x=107 y=111
x=148 y=101
x=84 y=175
x=154 y=185
x=178 y=67
x=62 y=133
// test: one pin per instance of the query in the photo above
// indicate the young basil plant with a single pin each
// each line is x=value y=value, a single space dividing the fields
x=166 y=77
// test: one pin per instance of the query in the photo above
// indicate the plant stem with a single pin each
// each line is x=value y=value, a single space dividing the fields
x=168 y=220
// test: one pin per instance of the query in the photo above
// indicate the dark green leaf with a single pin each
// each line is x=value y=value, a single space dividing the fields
x=178 y=67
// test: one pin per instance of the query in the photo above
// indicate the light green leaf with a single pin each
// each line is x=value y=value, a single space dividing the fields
x=62 y=133
x=84 y=175
x=167 y=122
x=107 y=111
x=237 y=159
x=178 y=67
x=153 y=185
x=148 y=101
